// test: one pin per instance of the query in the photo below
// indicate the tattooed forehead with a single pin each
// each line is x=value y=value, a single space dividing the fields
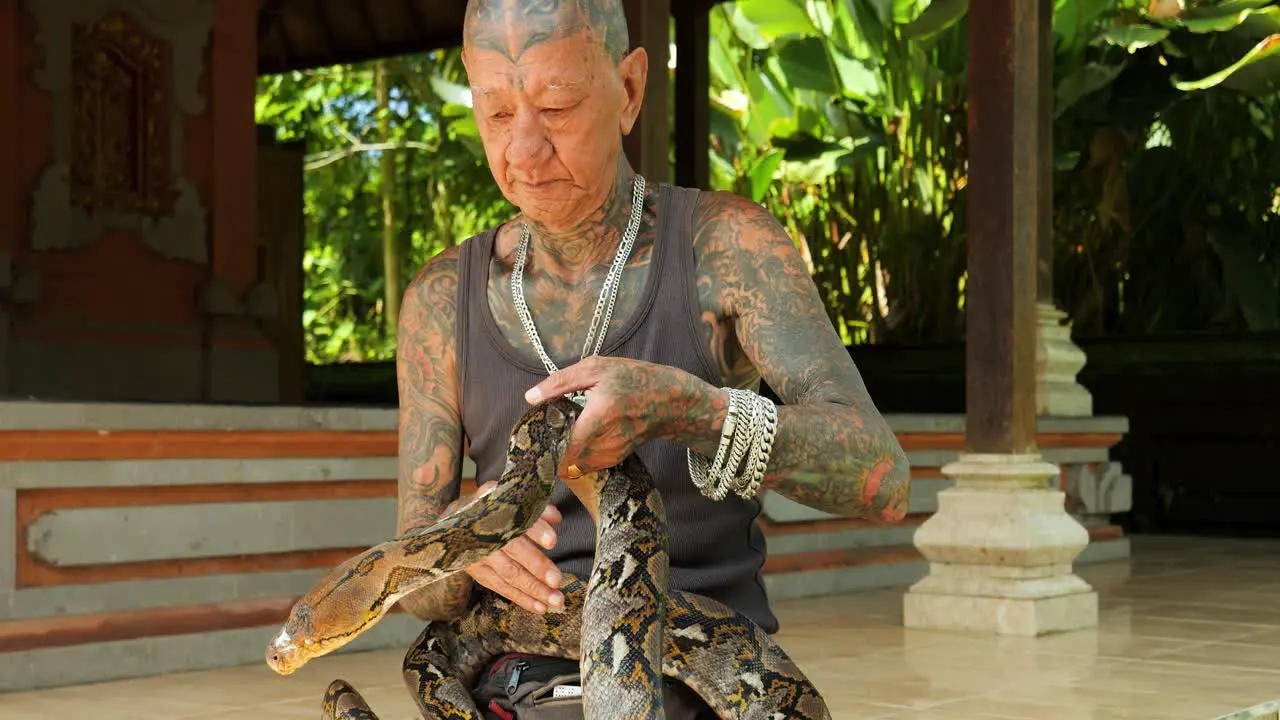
x=512 y=27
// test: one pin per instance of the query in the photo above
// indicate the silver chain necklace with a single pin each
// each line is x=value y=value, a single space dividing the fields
x=608 y=293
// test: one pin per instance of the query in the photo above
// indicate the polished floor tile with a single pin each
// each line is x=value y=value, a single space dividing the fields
x=1189 y=629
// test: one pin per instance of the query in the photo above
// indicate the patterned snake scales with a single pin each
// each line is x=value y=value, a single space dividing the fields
x=613 y=623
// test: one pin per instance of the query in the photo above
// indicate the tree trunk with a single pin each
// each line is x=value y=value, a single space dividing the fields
x=390 y=258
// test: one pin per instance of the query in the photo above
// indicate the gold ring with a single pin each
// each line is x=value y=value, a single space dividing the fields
x=573 y=472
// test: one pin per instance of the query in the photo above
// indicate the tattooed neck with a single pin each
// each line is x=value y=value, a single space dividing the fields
x=593 y=242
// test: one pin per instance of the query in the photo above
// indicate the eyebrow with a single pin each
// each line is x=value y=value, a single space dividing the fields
x=552 y=84
x=563 y=84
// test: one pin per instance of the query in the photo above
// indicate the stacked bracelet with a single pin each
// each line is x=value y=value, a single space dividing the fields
x=746 y=442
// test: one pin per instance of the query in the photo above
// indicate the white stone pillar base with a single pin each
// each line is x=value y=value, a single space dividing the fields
x=1058 y=362
x=1000 y=551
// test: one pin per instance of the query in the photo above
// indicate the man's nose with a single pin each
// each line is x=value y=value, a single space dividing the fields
x=529 y=146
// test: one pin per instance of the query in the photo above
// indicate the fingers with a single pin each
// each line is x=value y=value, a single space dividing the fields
x=489 y=578
x=583 y=431
x=551 y=514
x=542 y=533
x=579 y=376
x=522 y=573
x=542 y=573
x=587 y=433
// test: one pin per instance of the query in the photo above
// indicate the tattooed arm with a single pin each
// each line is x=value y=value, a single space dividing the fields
x=430 y=455
x=833 y=450
x=430 y=425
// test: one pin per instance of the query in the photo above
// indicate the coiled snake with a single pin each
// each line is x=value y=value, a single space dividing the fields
x=613 y=623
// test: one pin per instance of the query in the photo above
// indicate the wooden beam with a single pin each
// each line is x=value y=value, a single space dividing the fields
x=324 y=27
x=270 y=66
x=368 y=25
x=647 y=145
x=693 y=104
x=1005 y=172
x=414 y=11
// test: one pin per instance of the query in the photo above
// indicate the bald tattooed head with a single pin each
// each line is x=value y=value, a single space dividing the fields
x=511 y=27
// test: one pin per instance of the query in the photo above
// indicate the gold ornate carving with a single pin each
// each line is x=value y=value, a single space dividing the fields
x=123 y=77
x=120 y=115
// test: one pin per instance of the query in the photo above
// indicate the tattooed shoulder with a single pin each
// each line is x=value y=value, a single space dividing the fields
x=728 y=230
x=426 y=373
x=751 y=273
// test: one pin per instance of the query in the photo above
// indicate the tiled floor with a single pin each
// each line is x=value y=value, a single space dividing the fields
x=1190 y=630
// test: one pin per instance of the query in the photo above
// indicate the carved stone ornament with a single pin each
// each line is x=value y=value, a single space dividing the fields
x=122 y=75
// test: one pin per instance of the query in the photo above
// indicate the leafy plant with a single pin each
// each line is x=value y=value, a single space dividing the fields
x=441 y=188
x=848 y=120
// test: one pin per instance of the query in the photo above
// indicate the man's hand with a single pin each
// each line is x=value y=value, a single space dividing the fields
x=521 y=571
x=629 y=402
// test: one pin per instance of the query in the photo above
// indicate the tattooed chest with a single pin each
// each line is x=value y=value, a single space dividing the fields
x=561 y=312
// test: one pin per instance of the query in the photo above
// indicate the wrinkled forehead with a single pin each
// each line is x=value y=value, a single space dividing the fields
x=532 y=83
x=543 y=70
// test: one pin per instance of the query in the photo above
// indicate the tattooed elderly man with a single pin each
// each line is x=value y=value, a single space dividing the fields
x=662 y=307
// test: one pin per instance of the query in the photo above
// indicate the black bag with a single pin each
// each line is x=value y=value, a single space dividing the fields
x=530 y=687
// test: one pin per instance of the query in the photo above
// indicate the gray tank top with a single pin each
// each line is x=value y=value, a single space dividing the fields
x=716 y=548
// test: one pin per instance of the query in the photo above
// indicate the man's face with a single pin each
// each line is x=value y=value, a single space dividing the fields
x=551 y=121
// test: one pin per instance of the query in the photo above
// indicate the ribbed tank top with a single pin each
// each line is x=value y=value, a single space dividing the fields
x=716 y=548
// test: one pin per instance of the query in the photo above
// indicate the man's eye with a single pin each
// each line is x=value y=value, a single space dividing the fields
x=501 y=115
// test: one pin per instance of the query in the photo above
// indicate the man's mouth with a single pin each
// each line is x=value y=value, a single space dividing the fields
x=540 y=184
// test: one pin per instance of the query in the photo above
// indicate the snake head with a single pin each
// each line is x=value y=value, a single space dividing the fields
x=331 y=614
x=294 y=645
x=307 y=634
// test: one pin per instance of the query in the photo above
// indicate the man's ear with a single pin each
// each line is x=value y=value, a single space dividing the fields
x=634 y=73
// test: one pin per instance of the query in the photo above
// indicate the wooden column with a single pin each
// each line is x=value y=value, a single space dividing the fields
x=650 y=139
x=233 y=71
x=12 y=69
x=240 y=362
x=692 y=99
x=1004 y=199
x=1001 y=544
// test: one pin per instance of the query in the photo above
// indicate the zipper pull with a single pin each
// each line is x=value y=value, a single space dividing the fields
x=514 y=681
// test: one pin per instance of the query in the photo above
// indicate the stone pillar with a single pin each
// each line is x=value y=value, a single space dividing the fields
x=1058 y=362
x=1000 y=549
x=1001 y=544
x=647 y=145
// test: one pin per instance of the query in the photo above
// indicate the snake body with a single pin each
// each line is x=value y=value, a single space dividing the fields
x=622 y=625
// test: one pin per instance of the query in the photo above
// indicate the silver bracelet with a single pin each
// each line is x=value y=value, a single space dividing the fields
x=699 y=471
x=761 y=450
x=748 y=433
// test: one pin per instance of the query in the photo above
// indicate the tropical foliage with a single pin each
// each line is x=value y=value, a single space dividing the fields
x=847 y=118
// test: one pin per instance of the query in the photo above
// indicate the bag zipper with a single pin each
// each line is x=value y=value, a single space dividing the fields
x=514 y=681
